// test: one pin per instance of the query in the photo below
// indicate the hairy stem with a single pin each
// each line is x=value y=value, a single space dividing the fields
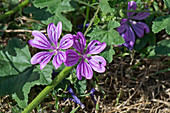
x=24 y=3
x=92 y=20
x=47 y=89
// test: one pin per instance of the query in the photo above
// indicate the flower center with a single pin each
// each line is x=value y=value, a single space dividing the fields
x=83 y=56
x=55 y=49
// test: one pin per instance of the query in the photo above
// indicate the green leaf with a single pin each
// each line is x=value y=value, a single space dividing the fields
x=17 y=75
x=161 y=23
x=19 y=85
x=41 y=15
x=15 y=109
x=151 y=39
x=65 y=5
x=141 y=42
x=108 y=53
x=14 y=59
x=72 y=77
x=66 y=24
x=47 y=18
x=52 y=5
x=80 y=86
x=109 y=36
x=96 y=20
x=167 y=2
x=38 y=14
x=105 y=7
x=163 y=48
x=113 y=24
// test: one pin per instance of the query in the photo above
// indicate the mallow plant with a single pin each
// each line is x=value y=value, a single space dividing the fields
x=87 y=53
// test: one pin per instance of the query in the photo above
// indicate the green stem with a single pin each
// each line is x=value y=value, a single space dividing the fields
x=92 y=20
x=87 y=16
x=47 y=89
x=137 y=11
x=24 y=3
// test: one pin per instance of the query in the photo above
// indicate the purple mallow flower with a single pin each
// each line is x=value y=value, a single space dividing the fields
x=125 y=30
x=76 y=99
x=87 y=62
x=92 y=95
x=40 y=41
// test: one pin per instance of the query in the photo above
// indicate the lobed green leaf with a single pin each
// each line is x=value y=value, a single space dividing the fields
x=17 y=75
x=105 y=7
x=161 y=23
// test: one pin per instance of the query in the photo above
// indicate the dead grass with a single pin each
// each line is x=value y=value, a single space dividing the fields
x=126 y=89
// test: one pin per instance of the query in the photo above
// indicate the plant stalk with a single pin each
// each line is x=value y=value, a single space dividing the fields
x=47 y=89
x=91 y=22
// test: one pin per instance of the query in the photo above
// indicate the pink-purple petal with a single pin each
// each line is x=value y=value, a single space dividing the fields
x=129 y=37
x=121 y=29
x=140 y=16
x=95 y=47
x=42 y=58
x=131 y=5
x=40 y=41
x=71 y=57
x=98 y=63
x=146 y=28
x=58 y=59
x=66 y=42
x=84 y=69
x=59 y=29
x=52 y=33
x=138 y=28
x=79 y=42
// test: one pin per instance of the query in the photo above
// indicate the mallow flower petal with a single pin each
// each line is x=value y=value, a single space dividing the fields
x=40 y=41
x=59 y=58
x=129 y=35
x=140 y=16
x=79 y=42
x=59 y=29
x=98 y=63
x=76 y=99
x=92 y=95
x=129 y=38
x=95 y=47
x=138 y=28
x=66 y=42
x=42 y=58
x=52 y=33
x=146 y=28
x=121 y=29
x=130 y=47
x=84 y=69
x=131 y=5
x=71 y=57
